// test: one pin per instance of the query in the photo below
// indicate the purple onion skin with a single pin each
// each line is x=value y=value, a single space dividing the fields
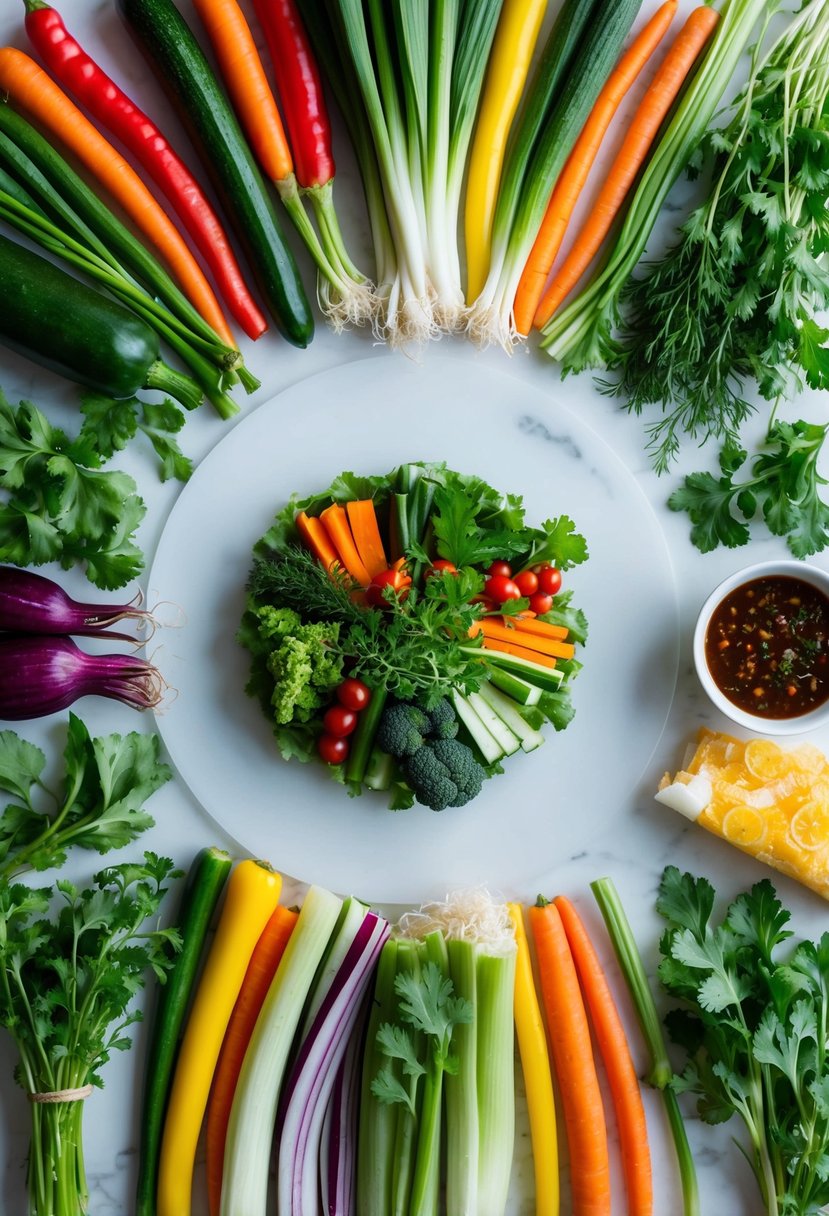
x=31 y=603
x=41 y=675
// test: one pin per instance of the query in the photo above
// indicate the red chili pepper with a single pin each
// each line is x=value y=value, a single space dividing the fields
x=300 y=91
x=68 y=61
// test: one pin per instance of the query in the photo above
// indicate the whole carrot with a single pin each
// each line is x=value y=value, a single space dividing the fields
x=31 y=88
x=578 y=1084
x=107 y=103
x=641 y=133
x=261 y=970
x=615 y=1053
x=569 y=186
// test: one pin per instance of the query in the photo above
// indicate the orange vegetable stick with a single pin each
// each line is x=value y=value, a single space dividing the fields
x=572 y=1052
x=247 y=84
x=261 y=970
x=316 y=538
x=528 y=624
x=335 y=520
x=363 y=519
x=621 y=1075
x=29 y=86
x=532 y=656
x=641 y=133
x=553 y=647
x=570 y=184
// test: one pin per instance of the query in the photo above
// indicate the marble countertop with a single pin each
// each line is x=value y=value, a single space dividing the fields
x=642 y=838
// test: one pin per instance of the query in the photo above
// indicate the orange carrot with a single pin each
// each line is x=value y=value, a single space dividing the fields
x=261 y=970
x=636 y=145
x=29 y=86
x=570 y=184
x=247 y=84
x=552 y=647
x=316 y=538
x=572 y=1052
x=526 y=623
x=363 y=519
x=335 y=520
x=621 y=1075
x=520 y=652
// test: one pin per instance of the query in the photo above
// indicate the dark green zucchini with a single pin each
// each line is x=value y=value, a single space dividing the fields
x=170 y=48
x=67 y=326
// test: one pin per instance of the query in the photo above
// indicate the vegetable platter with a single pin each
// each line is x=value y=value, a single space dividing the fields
x=643 y=578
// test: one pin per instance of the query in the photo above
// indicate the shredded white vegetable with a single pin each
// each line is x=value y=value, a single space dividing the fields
x=469 y=915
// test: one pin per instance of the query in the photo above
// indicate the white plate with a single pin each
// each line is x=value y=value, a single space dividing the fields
x=370 y=416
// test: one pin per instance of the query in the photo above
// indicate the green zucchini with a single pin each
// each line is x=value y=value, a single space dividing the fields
x=171 y=50
x=65 y=325
x=206 y=880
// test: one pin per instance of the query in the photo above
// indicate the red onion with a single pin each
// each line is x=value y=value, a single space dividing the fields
x=30 y=603
x=41 y=675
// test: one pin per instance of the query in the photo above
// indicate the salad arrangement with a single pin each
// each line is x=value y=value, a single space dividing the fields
x=410 y=631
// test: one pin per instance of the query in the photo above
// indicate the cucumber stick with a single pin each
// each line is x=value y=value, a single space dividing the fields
x=205 y=883
x=507 y=711
x=507 y=740
x=513 y=686
x=548 y=679
x=171 y=50
x=481 y=736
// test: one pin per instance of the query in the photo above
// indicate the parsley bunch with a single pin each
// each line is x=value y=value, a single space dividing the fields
x=735 y=300
x=755 y=1027
x=57 y=504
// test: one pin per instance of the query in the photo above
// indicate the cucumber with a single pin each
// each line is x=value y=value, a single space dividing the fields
x=168 y=44
x=513 y=686
x=362 y=741
x=63 y=324
x=497 y=727
x=205 y=883
x=548 y=679
x=507 y=711
x=484 y=740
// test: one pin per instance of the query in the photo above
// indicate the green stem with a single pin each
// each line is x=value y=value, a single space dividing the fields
x=322 y=201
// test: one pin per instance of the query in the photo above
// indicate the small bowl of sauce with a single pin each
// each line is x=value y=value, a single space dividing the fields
x=761 y=647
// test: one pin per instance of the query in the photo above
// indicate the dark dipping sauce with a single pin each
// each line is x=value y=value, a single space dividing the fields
x=767 y=647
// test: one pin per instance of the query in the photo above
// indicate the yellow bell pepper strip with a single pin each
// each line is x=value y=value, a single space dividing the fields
x=512 y=51
x=252 y=896
x=538 y=1080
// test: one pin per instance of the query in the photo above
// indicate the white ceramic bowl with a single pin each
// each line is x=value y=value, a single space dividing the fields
x=766 y=726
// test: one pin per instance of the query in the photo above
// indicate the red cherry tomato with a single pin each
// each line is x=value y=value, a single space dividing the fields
x=339 y=721
x=441 y=566
x=354 y=694
x=397 y=579
x=332 y=749
x=500 y=588
x=540 y=603
x=526 y=582
x=502 y=569
x=549 y=580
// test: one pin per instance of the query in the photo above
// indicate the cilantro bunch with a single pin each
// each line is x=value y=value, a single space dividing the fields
x=735 y=301
x=56 y=502
x=754 y=1024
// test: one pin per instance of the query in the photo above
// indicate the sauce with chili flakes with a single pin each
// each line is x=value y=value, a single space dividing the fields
x=767 y=647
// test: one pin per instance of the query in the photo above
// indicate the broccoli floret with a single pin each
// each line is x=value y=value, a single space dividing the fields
x=444 y=723
x=275 y=622
x=444 y=773
x=403 y=729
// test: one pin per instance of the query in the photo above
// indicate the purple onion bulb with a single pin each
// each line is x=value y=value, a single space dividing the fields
x=31 y=603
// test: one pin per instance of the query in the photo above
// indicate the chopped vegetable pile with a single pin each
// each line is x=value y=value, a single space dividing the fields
x=410 y=630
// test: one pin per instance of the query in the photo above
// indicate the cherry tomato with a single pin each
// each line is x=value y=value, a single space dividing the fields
x=397 y=579
x=354 y=694
x=441 y=566
x=526 y=582
x=540 y=603
x=332 y=749
x=502 y=569
x=339 y=721
x=500 y=588
x=549 y=580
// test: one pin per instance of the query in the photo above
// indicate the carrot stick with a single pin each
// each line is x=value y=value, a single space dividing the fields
x=641 y=133
x=261 y=970
x=316 y=538
x=528 y=624
x=247 y=84
x=569 y=186
x=30 y=87
x=553 y=647
x=572 y=1052
x=621 y=1075
x=335 y=520
x=363 y=519
x=520 y=652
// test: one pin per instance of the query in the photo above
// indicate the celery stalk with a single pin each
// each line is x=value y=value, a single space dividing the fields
x=495 y=975
x=462 y=1089
x=405 y=1143
x=376 y=1131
